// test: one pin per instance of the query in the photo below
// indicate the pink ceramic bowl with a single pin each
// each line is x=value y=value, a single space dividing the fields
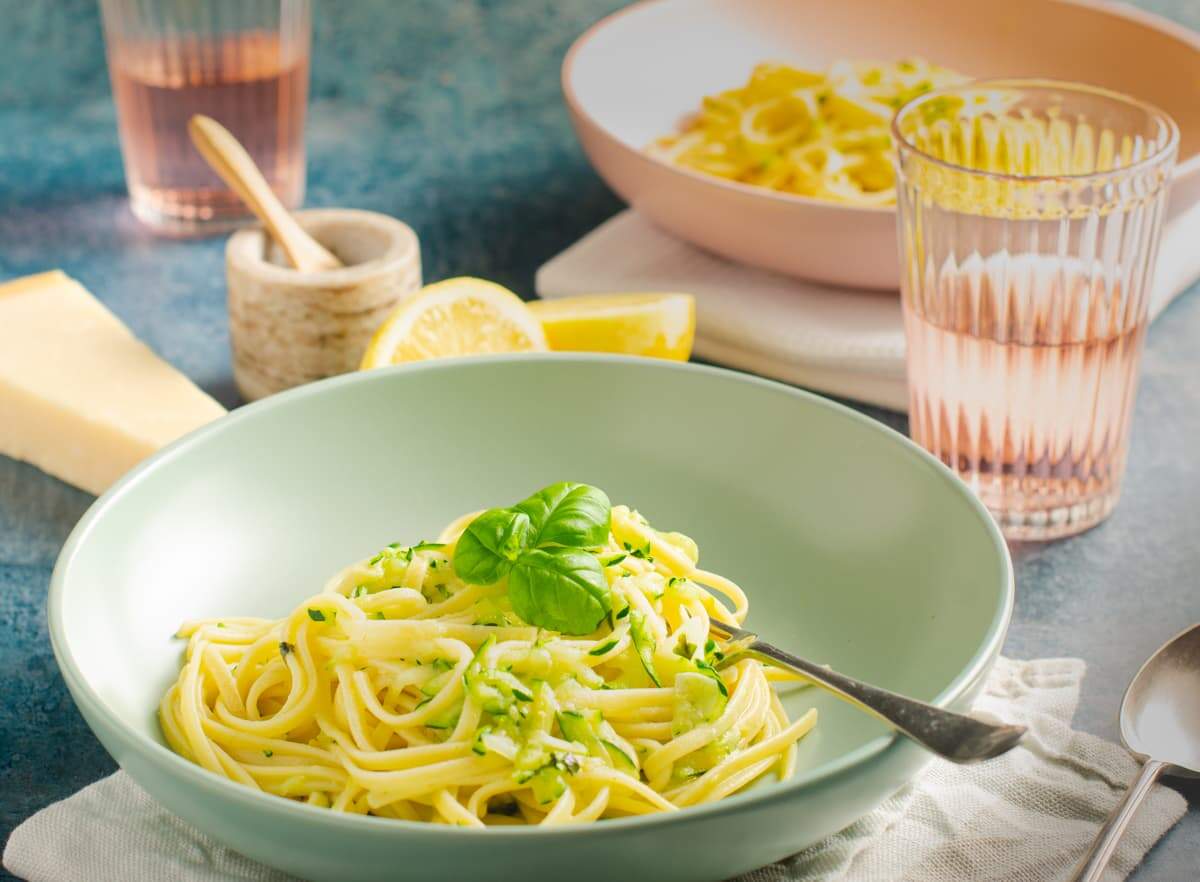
x=634 y=75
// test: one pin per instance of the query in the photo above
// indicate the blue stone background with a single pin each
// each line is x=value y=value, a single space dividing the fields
x=447 y=113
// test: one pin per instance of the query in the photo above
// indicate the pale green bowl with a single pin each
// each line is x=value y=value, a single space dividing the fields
x=856 y=548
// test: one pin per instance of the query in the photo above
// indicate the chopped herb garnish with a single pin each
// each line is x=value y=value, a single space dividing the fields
x=521 y=695
x=268 y=753
x=625 y=572
x=316 y=615
x=614 y=560
x=378 y=614
x=376 y=559
x=642 y=553
x=605 y=649
x=220 y=624
x=359 y=591
x=675 y=580
x=623 y=613
x=285 y=647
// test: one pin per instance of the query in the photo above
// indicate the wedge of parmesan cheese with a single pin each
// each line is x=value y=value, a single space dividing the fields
x=80 y=396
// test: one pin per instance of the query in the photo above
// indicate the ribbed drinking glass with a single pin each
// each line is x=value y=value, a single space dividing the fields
x=1029 y=219
x=242 y=62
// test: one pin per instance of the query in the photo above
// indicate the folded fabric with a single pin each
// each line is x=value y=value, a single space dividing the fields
x=835 y=340
x=1025 y=817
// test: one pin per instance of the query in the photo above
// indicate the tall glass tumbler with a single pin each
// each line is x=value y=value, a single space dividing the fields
x=1029 y=220
x=242 y=62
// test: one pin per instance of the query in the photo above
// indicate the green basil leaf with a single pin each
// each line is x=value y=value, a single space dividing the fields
x=561 y=589
x=570 y=514
x=490 y=545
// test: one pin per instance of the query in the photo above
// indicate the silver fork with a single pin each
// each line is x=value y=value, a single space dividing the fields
x=955 y=737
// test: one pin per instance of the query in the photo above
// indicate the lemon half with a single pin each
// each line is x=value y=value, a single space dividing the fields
x=463 y=316
x=655 y=325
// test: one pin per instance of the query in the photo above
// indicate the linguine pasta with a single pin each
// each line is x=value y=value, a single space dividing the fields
x=813 y=134
x=404 y=691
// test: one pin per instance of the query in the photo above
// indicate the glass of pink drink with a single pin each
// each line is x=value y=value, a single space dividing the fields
x=1029 y=220
x=242 y=62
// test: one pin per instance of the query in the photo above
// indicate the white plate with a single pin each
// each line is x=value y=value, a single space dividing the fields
x=633 y=76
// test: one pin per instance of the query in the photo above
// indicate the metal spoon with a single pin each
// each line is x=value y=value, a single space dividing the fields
x=952 y=736
x=1160 y=724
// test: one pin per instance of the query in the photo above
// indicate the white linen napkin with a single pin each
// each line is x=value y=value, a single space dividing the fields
x=836 y=340
x=1025 y=817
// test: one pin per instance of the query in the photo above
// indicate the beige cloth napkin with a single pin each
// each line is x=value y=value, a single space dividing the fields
x=835 y=340
x=1025 y=817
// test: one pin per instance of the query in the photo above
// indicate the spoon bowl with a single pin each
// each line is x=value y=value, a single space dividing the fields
x=1160 y=724
x=1160 y=715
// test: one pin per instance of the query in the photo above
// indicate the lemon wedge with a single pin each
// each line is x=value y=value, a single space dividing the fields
x=462 y=316
x=655 y=325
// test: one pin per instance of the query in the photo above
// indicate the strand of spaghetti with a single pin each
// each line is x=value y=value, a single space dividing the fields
x=377 y=797
x=462 y=600
x=735 y=781
x=764 y=749
x=394 y=760
x=655 y=731
x=396 y=637
x=594 y=809
x=630 y=805
x=303 y=670
x=262 y=652
x=337 y=778
x=174 y=734
x=414 y=575
x=787 y=763
x=190 y=702
x=235 y=739
x=477 y=804
x=450 y=694
x=350 y=708
x=736 y=596
x=615 y=702
x=233 y=769
x=275 y=674
x=395 y=601
x=625 y=782
x=468 y=720
x=561 y=812
x=421 y=779
x=345 y=799
x=453 y=811
x=230 y=623
x=455 y=528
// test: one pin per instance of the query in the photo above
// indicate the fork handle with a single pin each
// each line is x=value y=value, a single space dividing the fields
x=1096 y=860
x=953 y=736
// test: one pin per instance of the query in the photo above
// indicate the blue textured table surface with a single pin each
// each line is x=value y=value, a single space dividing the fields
x=447 y=113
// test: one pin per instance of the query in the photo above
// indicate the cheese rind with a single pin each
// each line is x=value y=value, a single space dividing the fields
x=80 y=396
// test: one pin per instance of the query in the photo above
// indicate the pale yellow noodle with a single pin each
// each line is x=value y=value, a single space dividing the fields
x=358 y=701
